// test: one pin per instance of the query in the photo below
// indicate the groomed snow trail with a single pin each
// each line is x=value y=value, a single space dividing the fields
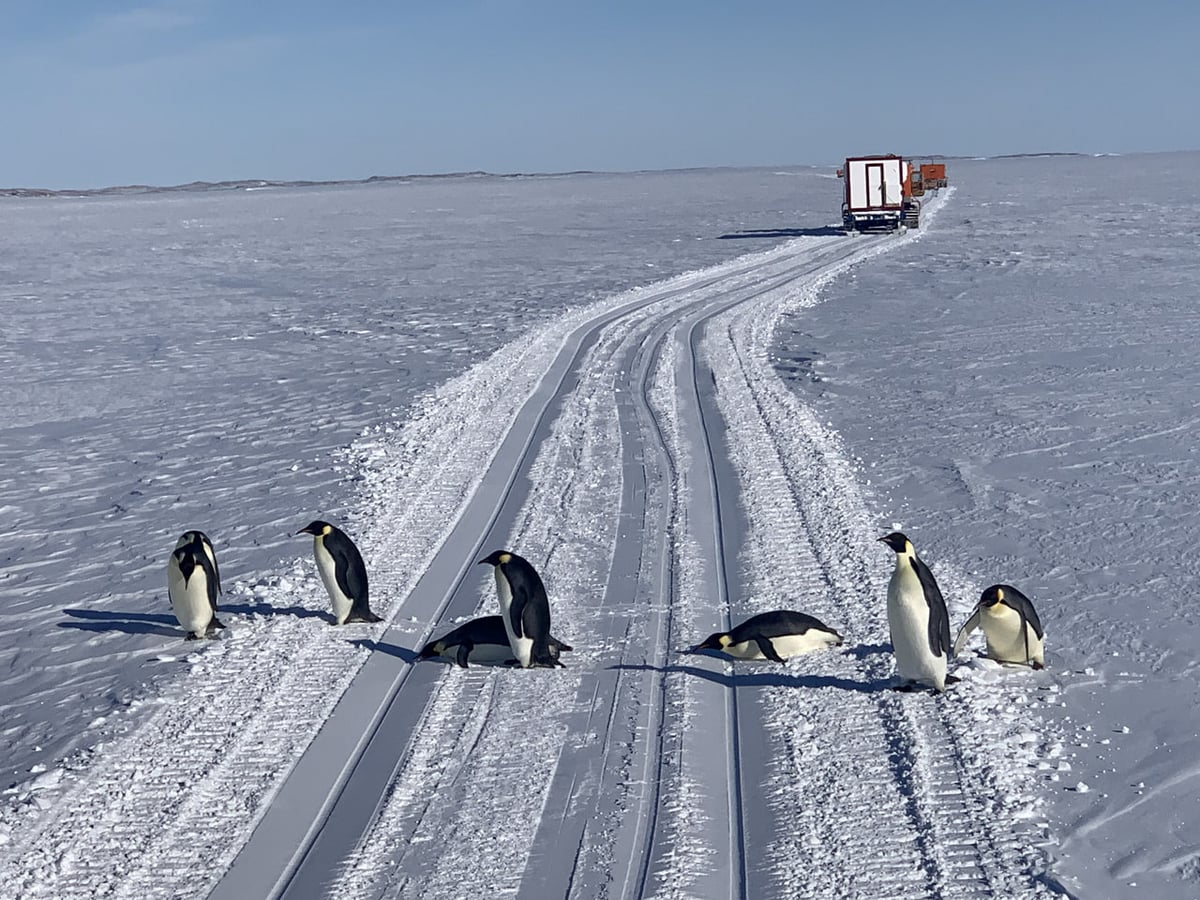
x=645 y=456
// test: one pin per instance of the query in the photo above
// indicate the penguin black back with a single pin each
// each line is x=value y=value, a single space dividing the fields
x=939 y=617
x=191 y=554
x=189 y=537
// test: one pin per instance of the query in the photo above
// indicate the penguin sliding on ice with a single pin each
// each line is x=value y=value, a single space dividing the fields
x=343 y=572
x=192 y=585
x=1010 y=625
x=917 y=619
x=777 y=636
x=482 y=640
x=525 y=609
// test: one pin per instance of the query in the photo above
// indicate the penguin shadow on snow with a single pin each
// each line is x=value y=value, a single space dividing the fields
x=862 y=651
x=128 y=622
x=762 y=679
x=402 y=653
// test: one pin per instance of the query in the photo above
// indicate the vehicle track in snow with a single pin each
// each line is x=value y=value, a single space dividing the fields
x=876 y=784
x=615 y=704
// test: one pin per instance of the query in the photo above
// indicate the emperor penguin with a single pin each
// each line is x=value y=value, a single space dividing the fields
x=917 y=619
x=343 y=572
x=1010 y=625
x=192 y=587
x=777 y=636
x=186 y=538
x=525 y=609
x=482 y=640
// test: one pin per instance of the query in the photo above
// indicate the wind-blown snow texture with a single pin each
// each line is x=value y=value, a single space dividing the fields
x=1010 y=386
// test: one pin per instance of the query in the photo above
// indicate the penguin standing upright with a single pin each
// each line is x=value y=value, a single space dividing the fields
x=525 y=608
x=776 y=635
x=343 y=572
x=482 y=640
x=1010 y=624
x=186 y=538
x=917 y=619
x=192 y=586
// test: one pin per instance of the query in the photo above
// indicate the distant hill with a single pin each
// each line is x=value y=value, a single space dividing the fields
x=259 y=184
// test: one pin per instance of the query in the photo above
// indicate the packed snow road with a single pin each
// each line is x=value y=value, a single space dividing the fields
x=644 y=455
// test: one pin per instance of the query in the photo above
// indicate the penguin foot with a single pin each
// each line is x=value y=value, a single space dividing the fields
x=216 y=623
x=369 y=617
x=192 y=636
x=1037 y=666
x=952 y=679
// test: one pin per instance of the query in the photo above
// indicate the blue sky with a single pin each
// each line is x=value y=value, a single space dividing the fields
x=170 y=91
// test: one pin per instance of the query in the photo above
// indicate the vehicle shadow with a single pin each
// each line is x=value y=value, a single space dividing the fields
x=128 y=622
x=819 y=231
x=767 y=678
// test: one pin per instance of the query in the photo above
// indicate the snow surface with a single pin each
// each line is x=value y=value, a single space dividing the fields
x=686 y=399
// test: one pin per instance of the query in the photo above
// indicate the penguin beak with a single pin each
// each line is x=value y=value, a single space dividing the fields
x=303 y=531
x=482 y=562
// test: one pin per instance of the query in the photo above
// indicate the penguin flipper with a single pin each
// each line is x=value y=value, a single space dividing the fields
x=767 y=649
x=965 y=632
x=939 y=618
x=464 y=654
x=516 y=612
x=350 y=571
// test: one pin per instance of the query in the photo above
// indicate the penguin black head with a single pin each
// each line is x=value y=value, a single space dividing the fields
x=432 y=649
x=496 y=558
x=316 y=528
x=992 y=595
x=718 y=641
x=896 y=540
x=189 y=537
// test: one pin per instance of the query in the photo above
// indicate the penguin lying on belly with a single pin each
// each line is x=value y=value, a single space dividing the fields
x=1010 y=625
x=482 y=640
x=776 y=636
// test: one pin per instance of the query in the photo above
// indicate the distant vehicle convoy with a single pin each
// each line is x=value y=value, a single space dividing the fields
x=881 y=192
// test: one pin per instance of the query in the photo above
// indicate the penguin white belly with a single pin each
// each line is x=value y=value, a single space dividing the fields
x=189 y=600
x=908 y=619
x=744 y=650
x=1005 y=642
x=786 y=645
x=341 y=603
x=522 y=647
x=486 y=653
